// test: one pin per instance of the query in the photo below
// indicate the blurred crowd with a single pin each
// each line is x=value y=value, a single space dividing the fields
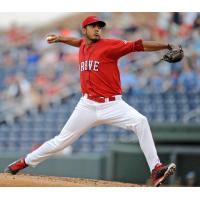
x=34 y=73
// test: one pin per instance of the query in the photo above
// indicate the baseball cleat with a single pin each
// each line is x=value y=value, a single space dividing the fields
x=161 y=172
x=16 y=166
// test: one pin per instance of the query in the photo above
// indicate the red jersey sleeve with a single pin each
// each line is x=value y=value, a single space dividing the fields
x=120 y=48
x=81 y=41
x=138 y=45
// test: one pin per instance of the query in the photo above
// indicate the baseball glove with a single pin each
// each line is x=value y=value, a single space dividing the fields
x=174 y=55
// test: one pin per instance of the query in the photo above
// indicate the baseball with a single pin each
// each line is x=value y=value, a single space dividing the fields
x=50 y=37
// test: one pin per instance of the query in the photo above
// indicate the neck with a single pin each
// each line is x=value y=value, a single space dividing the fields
x=90 y=42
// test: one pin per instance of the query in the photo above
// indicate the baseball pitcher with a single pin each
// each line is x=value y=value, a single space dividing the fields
x=101 y=101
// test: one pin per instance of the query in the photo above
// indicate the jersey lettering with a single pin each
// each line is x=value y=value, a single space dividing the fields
x=82 y=66
x=86 y=65
x=96 y=64
x=89 y=65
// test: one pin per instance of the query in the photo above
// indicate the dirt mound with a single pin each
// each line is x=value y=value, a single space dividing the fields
x=25 y=180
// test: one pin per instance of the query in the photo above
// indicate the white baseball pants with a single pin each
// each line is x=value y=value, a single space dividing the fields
x=89 y=114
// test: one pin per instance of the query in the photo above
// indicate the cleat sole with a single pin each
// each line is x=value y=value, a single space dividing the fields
x=169 y=172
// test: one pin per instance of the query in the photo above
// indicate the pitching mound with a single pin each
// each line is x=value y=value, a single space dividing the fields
x=24 y=180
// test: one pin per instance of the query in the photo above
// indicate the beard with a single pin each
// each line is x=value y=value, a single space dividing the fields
x=95 y=39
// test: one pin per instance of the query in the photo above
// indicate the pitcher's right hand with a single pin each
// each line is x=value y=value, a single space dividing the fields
x=52 y=39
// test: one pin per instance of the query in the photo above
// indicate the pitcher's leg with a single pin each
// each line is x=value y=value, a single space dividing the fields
x=80 y=121
x=124 y=116
x=146 y=141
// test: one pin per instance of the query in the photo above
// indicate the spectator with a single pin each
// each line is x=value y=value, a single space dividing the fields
x=186 y=80
x=190 y=179
x=128 y=80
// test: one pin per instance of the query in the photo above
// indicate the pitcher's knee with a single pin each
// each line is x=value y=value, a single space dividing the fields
x=143 y=120
x=63 y=140
x=57 y=143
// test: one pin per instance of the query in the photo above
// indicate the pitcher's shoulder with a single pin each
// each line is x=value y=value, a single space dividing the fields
x=110 y=40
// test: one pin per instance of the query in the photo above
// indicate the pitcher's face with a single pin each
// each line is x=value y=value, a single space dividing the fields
x=92 y=32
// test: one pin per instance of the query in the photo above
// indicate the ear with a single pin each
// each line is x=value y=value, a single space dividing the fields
x=83 y=31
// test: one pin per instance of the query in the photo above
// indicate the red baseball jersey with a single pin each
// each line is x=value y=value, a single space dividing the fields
x=99 y=73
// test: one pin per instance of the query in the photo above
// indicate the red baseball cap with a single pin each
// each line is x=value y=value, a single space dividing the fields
x=91 y=20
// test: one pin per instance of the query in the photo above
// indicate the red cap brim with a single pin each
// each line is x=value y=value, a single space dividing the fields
x=91 y=20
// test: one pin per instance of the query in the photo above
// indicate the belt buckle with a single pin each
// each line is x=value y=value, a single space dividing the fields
x=107 y=99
